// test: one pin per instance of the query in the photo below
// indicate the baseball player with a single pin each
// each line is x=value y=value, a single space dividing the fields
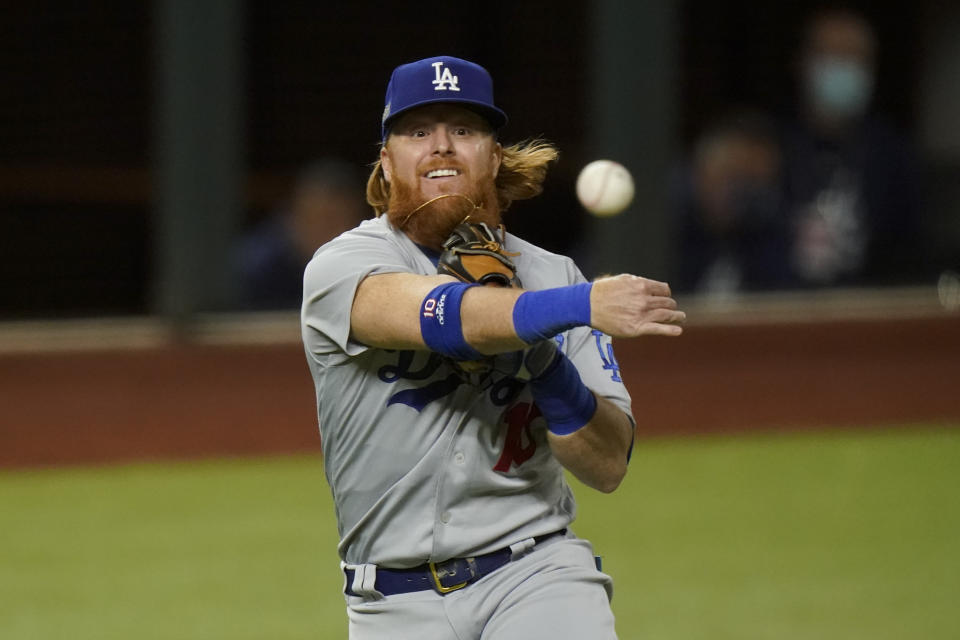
x=459 y=370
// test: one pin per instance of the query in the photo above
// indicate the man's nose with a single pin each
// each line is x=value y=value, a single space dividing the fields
x=442 y=142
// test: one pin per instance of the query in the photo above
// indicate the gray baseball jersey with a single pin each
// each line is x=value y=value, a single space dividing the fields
x=423 y=466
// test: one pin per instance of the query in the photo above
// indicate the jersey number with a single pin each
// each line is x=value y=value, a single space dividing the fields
x=518 y=445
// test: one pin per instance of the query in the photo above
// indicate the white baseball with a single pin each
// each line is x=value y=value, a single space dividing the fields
x=605 y=188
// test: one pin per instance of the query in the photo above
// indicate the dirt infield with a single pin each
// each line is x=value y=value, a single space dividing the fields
x=197 y=400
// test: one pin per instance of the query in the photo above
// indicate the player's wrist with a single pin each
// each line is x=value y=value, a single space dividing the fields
x=539 y=315
x=565 y=402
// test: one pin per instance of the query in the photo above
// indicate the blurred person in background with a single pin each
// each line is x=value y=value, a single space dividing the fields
x=270 y=259
x=850 y=182
x=730 y=230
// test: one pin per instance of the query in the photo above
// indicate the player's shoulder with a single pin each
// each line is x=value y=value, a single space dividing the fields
x=372 y=242
x=371 y=230
x=539 y=268
x=372 y=235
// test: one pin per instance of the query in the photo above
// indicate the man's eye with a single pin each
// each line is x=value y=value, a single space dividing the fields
x=418 y=133
x=462 y=131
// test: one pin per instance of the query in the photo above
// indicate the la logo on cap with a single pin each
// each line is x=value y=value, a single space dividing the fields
x=446 y=79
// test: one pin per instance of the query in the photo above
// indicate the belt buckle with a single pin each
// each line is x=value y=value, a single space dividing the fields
x=439 y=585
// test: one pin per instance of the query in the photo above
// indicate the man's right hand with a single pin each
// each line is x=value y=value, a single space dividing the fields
x=627 y=306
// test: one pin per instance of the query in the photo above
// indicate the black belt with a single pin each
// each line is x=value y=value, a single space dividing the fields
x=443 y=577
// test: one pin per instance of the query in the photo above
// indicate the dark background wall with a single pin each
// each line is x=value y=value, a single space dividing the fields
x=78 y=115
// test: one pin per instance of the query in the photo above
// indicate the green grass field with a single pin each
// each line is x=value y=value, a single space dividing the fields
x=828 y=535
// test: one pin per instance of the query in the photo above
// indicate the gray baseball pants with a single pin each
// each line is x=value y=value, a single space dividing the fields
x=554 y=592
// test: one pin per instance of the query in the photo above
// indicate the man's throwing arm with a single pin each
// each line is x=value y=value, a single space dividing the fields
x=386 y=311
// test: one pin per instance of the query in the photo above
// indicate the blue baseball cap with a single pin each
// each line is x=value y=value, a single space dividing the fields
x=440 y=80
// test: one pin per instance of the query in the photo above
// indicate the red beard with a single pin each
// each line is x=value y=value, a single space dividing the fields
x=432 y=224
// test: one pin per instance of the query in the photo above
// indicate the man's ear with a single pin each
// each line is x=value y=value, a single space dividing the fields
x=385 y=163
x=498 y=158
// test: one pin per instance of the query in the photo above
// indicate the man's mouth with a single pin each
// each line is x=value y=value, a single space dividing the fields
x=443 y=173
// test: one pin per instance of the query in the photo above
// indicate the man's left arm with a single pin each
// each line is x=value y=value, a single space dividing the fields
x=597 y=452
x=587 y=407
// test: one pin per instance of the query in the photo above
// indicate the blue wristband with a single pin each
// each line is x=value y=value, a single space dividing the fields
x=440 y=322
x=565 y=402
x=538 y=315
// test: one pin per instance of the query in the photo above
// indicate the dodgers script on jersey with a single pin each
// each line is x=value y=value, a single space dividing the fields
x=425 y=466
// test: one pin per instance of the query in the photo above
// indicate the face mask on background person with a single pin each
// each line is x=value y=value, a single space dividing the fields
x=839 y=87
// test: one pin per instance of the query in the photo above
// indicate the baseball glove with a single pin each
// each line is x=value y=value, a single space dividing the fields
x=474 y=254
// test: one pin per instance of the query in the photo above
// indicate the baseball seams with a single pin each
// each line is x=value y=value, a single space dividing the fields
x=603 y=181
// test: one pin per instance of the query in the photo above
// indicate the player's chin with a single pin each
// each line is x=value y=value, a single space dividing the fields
x=431 y=225
x=443 y=216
